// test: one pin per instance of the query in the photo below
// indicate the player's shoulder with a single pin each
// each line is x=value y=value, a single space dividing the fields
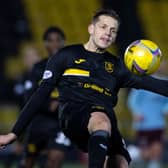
x=68 y=52
x=72 y=48
x=119 y=65
x=113 y=57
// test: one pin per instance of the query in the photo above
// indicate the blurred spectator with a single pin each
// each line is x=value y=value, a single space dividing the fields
x=149 y=110
x=30 y=56
x=13 y=30
x=44 y=134
x=12 y=153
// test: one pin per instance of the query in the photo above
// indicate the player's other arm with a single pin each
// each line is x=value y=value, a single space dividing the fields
x=152 y=84
x=147 y=83
x=54 y=70
x=27 y=113
x=130 y=80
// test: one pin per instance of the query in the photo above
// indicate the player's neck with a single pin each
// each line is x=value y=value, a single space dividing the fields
x=93 y=48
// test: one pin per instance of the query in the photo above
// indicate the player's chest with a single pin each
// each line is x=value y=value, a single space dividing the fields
x=96 y=66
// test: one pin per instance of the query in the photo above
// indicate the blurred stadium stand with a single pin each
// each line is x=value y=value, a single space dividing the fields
x=153 y=19
x=31 y=17
x=13 y=30
x=72 y=16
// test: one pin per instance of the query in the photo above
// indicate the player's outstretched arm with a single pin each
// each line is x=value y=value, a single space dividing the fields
x=7 y=139
x=155 y=85
x=28 y=112
x=52 y=73
x=148 y=83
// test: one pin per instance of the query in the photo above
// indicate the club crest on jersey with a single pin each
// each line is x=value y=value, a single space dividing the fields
x=47 y=74
x=109 y=67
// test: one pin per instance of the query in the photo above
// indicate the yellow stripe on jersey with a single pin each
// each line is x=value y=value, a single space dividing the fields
x=76 y=72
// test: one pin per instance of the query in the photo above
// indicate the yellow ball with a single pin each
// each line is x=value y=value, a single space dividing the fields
x=142 y=57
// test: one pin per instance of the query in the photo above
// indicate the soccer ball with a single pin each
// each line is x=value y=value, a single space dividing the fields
x=142 y=57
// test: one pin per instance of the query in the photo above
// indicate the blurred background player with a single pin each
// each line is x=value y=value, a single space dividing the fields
x=29 y=56
x=44 y=132
x=149 y=110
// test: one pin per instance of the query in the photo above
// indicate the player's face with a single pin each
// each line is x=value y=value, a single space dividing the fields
x=53 y=43
x=103 y=32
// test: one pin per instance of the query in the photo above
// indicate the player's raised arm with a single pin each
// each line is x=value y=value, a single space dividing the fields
x=54 y=70
x=152 y=84
x=149 y=83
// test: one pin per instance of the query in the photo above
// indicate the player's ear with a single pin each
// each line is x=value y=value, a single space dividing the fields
x=90 y=28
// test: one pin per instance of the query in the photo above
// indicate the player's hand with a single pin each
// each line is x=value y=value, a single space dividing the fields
x=6 y=139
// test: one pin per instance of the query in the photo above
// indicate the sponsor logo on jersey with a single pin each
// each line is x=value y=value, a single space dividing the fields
x=97 y=88
x=109 y=67
x=79 y=61
x=47 y=74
